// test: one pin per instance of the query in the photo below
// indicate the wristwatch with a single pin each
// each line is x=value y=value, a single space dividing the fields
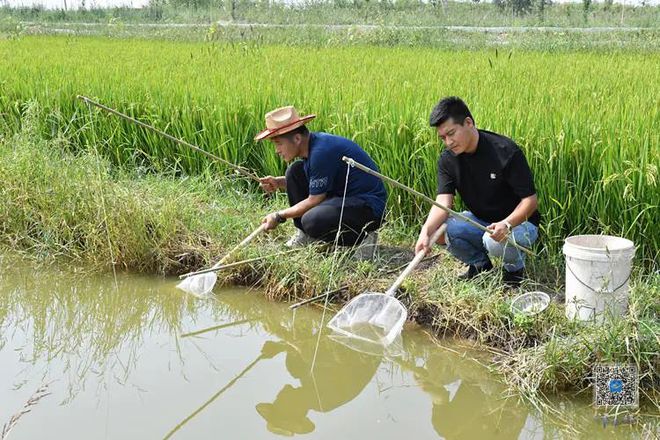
x=279 y=218
x=508 y=225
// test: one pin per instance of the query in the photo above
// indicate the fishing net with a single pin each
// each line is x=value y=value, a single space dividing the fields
x=199 y=285
x=375 y=318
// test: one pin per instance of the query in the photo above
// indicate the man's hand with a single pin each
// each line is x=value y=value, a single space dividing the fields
x=270 y=221
x=422 y=243
x=269 y=184
x=272 y=349
x=500 y=231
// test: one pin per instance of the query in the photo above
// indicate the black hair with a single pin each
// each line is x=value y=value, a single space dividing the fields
x=302 y=130
x=450 y=107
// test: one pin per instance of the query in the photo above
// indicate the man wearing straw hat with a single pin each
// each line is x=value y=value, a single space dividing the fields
x=316 y=184
x=492 y=176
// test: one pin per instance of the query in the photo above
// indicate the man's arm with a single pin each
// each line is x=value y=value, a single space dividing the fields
x=519 y=176
x=303 y=206
x=271 y=184
x=295 y=211
x=435 y=219
x=523 y=211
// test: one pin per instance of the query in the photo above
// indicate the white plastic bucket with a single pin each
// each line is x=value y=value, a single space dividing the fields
x=598 y=269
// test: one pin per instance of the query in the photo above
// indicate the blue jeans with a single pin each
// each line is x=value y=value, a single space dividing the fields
x=473 y=246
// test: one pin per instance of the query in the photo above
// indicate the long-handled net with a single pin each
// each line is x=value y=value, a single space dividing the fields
x=202 y=284
x=377 y=318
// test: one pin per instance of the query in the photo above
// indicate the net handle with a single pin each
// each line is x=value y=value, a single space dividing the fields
x=217 y=265
x=419 y=257
x=240 y=169
x=511 y=240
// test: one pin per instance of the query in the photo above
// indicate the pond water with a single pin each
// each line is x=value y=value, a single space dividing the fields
x=135 y=358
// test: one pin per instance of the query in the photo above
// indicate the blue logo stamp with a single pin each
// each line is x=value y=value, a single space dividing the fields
x=616 y=385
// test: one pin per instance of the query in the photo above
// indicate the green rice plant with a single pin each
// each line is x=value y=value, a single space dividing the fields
x=587 y=121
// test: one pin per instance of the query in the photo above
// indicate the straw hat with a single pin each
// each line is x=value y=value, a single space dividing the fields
x=283 y=420
x=282 y=120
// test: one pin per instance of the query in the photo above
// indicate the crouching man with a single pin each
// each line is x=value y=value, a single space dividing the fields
x=494 y=181
x=315 y=185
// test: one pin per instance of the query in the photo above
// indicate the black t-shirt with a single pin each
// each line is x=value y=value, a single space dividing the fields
x=491 y=181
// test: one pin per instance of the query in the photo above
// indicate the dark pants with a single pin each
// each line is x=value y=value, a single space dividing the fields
x=321 y=221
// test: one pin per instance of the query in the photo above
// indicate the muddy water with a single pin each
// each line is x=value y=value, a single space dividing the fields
x=134 y=358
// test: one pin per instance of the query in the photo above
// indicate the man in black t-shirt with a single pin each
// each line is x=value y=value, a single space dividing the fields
x=494 y=181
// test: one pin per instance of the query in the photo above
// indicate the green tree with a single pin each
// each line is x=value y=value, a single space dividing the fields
x=586 y=6
x=518 y=7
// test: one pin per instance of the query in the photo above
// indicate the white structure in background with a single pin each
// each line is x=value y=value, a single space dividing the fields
x=75 y=4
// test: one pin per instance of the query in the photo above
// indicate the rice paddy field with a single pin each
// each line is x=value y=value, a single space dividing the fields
x=587 y=121
x=91 y=192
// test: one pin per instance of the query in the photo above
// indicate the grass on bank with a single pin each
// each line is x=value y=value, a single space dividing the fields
x=59 y=204
x=546 y=39
x=76 y=206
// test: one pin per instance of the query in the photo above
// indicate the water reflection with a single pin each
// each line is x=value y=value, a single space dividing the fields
x=145 y=348
x=466 y=401
x=81 y=326
x=329 y=373
x=330 y=376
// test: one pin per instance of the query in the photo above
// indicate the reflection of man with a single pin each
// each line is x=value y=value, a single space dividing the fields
x=340 y=374
x=466 y=402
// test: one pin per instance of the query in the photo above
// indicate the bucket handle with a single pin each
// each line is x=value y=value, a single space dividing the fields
x=568 y=266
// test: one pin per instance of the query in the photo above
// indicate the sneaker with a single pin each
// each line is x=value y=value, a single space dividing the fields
x=366 y=250
x=513 y=279
x=299 y=239
x=473 y=271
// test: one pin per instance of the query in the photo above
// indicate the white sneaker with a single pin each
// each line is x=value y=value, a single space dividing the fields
x=299 y=239
x=366 y=250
